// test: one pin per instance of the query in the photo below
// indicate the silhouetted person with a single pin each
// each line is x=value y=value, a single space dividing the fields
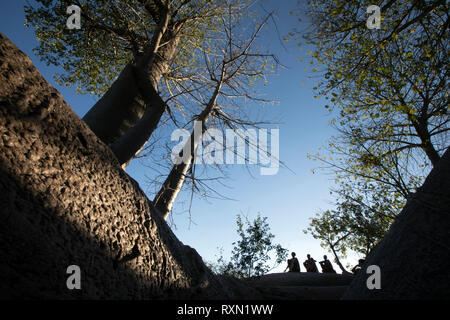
x=293 y=264
x=358 y=266
x=310 y=264
x=326 y=265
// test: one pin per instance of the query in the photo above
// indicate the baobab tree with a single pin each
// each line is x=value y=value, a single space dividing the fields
x=121 y=52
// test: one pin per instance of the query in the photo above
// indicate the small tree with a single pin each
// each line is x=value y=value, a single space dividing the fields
x=251 y=252
x=350 y=226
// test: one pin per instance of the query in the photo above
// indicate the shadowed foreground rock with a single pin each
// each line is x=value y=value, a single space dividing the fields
x=64 y=200
x=414 y=256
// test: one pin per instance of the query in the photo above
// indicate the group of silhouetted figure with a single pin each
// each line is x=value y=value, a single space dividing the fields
x=310 y=265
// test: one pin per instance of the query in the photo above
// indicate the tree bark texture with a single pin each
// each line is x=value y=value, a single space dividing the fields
x=414 y=256
x=66 y=201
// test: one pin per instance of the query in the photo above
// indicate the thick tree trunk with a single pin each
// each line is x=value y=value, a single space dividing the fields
x=414 y=256
x=118 y=109
x=125 y=103
x=128 y=145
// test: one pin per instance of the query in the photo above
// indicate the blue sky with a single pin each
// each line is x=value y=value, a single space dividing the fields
x=288 y=198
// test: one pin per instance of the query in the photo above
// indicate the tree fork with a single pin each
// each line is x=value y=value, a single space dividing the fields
x=425 y=138
x=125 y=103
x=134 y=139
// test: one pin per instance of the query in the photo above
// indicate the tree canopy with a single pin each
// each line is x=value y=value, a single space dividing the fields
x=389 y=90
x=113 y=33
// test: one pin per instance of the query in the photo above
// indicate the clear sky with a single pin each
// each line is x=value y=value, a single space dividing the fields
x=288 y=198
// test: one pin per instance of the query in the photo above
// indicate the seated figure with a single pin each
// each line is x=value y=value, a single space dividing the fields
x=326 y=265
x=293 y=264
x=310 y=264
x=358 y=266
